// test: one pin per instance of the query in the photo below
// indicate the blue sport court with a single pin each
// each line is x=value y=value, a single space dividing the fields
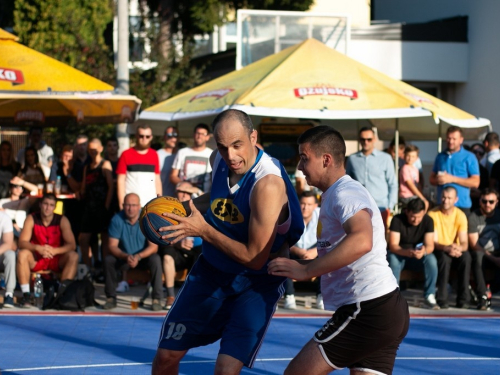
x=126 y=344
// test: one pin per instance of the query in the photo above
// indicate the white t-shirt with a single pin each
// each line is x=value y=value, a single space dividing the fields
x=368 y=277
x=16 y=210
x=5 y=225
x=194 y=166
x=166 y=161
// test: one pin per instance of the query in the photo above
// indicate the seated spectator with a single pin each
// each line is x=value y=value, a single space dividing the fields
x=15 y=206
x=451 y=245
x=8 y=167
x=409 y=178
x=31 y=170
x=7 y=259
x=183 y=254
x=46 y=243
x=305 y=248
x=484 y=241
x=411 y=246
x=128 y=248
x=96 y=193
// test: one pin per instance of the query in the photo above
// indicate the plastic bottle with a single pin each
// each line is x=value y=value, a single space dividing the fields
x=38 y=291
x=488 y=295
x=58 y=185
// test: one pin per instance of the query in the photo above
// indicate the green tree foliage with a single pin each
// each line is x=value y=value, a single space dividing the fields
x=73 y=33
x=69 y=31
x=178 y=22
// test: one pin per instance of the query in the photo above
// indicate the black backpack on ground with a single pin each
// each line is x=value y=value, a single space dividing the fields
x=77 y=295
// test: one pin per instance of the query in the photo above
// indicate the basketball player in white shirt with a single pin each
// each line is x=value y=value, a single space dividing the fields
x=371 y=317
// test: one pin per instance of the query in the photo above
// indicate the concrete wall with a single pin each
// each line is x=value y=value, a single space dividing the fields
x=414 y=61
x=359 y=10
x=479 y=95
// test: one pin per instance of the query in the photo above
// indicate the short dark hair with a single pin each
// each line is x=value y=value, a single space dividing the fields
x=308 y=194
x=401 y=142
x=237 y=115
x=50 y=196
x=411 y=148
x=144 y=127
x=366 y=128
x=325 y=140
x=415 y=206
x=489 y=191
x=453 y=129
x=201 y=126
x=492 y=138
x=111 y=139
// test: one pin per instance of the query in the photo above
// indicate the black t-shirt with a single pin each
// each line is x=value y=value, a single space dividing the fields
x=411 y=235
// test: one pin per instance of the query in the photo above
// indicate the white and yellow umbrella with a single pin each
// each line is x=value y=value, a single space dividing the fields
x=36 y=89
x=312 y=81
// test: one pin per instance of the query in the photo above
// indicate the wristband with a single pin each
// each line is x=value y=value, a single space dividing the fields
x=139 y=255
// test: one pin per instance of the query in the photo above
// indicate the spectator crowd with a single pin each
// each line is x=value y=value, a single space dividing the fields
x=83 y=206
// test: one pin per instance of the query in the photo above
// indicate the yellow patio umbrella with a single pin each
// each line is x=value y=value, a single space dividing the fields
x=312 y=81
x=36 y=89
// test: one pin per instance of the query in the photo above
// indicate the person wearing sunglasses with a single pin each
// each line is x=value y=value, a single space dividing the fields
x=484 y=241
x=374 y=169
x=138 y=169
x=167 y=156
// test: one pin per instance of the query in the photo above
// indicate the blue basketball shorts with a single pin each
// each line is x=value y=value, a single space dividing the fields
x=215 y=305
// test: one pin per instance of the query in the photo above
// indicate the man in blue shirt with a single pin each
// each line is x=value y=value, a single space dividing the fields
x=456 y=167
x=129 y=249
x=374 y=169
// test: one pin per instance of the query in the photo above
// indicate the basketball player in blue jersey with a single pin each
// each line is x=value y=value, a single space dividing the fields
x=371 y=317
x=251 y=215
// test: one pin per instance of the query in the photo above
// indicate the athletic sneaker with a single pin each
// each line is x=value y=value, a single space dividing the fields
x=26 y=302
x=169 y=303
x=482 y=305
x=319 y=302
x=110 y=303
x=290 y=302
x=430 y=302
x=156 y=306
x=122 y=287
x=8 y=301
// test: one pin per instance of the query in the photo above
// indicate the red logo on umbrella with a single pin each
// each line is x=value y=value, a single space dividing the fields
x=215 y=93
x=324 y=90
x=11 y=75
x=29 y=115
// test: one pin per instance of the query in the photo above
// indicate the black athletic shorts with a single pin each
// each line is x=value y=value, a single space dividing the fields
x=365 y=336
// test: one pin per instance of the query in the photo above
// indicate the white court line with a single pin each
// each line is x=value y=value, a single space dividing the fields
x=257 y=360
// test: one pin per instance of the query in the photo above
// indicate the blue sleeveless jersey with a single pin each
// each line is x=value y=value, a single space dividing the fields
x=229 y=211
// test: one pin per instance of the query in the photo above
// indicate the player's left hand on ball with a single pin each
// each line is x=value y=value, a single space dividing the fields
x=288 y=268
x=190 y=226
